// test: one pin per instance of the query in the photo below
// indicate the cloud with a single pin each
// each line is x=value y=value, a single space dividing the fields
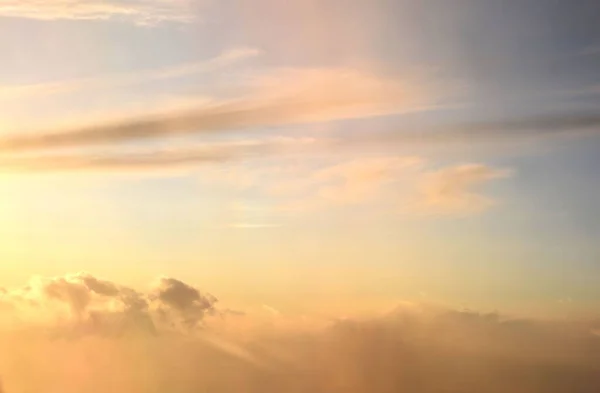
x=252 y=225
x=152 y=161
x=215 y=118
x=142 y=12
x=453 y=190
x=401 y=184
x=555 y=124
x=284 y=97
x=386 y=181
x=533 y=129
x=415 y=348
x=84 y=304
x=186 y=301
x=136 y=162
x=271 y=310
x=226 y=58
x=350 y=182
x=359 y=180
x=592 y=50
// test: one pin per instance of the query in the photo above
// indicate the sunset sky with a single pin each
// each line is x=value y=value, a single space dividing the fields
x=307 y=155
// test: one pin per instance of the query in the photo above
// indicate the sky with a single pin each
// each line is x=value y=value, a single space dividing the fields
x=330 y=156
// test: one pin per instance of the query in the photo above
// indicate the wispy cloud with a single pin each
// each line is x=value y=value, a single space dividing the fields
x=252 y=225
x=516 y=130
x=394 y=184
x=226 y=58
x=150 y=161
x=283 y=97
x=142 y=12
x=592 y=50
x=256 y=110
x=360 y=180
x=454 y=190
x=154 y=160
x=404 y=182
x=350 y=182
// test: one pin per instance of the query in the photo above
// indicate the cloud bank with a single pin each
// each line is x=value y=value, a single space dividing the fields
x=415 y=348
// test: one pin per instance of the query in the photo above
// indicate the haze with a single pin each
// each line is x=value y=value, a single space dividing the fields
x=289 y=196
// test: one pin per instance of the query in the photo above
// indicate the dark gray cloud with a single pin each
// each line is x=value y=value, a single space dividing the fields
x=188 y=302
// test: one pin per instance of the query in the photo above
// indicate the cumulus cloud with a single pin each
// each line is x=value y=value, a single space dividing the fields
x=176 y=296
x=84 y=303
x=143 y=12
x=453 y=190
x=414 y=348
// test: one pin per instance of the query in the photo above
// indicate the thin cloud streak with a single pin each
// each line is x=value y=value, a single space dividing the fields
x=142 y=12
x=226 y=58
x=153 y=160
x=290 y=97
x=472 y=134
x=143 y=161
x=250 y=225
x=239 y=114
x=518 y=130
